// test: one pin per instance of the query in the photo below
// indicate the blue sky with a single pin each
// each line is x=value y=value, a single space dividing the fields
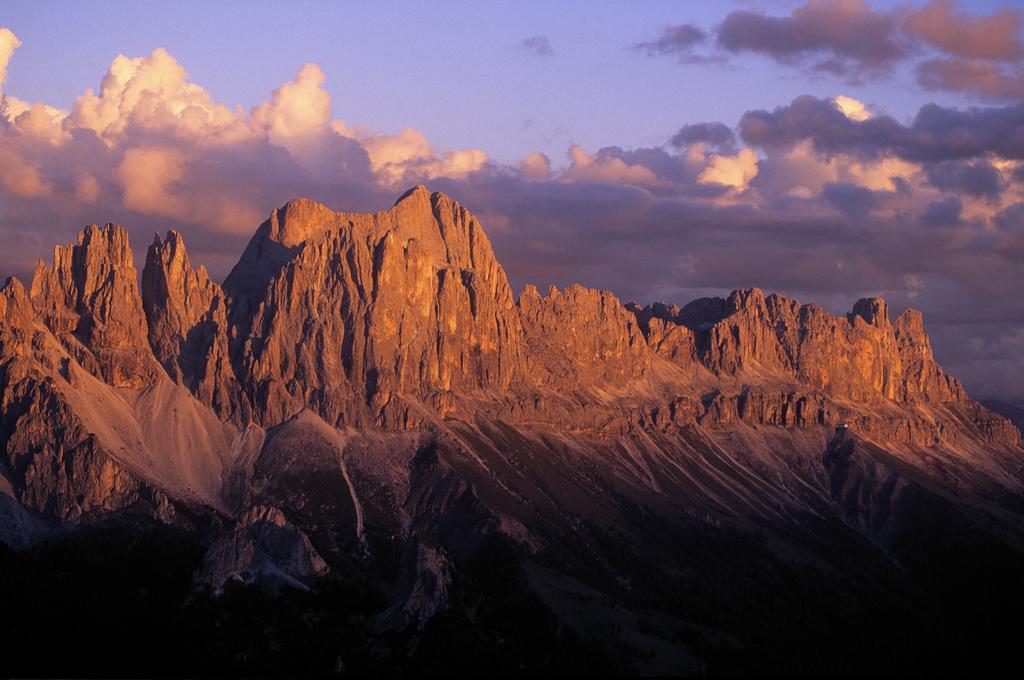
x=451 y=69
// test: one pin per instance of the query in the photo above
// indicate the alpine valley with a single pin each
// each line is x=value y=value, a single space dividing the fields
x=364 y=453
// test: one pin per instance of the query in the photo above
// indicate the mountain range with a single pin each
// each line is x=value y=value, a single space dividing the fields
x=739 y=484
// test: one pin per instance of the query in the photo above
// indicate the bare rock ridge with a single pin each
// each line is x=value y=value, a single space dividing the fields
x=369 y=319
x=860 y=357
x=89 y=299
x=372 y=377
x=186 y=317
x=362 y=311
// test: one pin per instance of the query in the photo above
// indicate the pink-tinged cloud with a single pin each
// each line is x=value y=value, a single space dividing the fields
x=146 y=176
x=843 y=36
x=734 y=171
x=974 y=76
x=8 y=43
x=943 y=26
x=586 y=167
x=20 y=177
x=535 y=167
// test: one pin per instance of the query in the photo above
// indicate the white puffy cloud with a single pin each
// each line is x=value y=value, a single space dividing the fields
x=851 y=108
x=535 y=167
x=733 y=171
x=298 y=112
x=586 y=167
x=151 y=93
x=407 y=156
x=8 y=43
x=149 y=142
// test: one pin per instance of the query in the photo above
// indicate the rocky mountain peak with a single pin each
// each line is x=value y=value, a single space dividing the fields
x=299 y=220
x=874 y=310
x=176 y=299
x=406 y=301
x=89 y=298
x=746 y=299
x=13 y=291
x=365 y=318
x=417 y=193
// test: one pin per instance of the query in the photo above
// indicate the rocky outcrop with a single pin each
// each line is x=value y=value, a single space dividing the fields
x=754 y=339
x=368 y=385
x=89 y=299
x=264 y=549
x=580 y=337
x=423 y=588
x=923 y=378
x=186 y=316
x=364 y=309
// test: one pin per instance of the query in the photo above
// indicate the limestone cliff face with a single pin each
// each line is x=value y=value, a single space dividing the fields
x=755 y=339
x=923 y=378
x=402 y=322
x=579 y=338
x=362 y=309
x=89 y=299
x=186 y=316
x=176 y=299
x=50 y=458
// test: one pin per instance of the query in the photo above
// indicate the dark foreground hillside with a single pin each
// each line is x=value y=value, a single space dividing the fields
x=117 y=599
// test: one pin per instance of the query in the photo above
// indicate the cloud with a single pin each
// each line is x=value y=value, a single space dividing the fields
x=1012 y=219
x=981 y=56
x=842 y=36
x=298 y=111
x=680 y=41
x=535 y=167
x=852 y=108
x=151 y=94
x=407 y=156
x=948 y=48
x=586 y=167
x=146 y=176
x=943 y=213
x=667 y=168
x=974 y=178
x=713 y=134
x=972 y=76
x=20 y=177
x=538 y=46
x=87 y=189
x=941 y=25
x=8 y=43
x=732 y=171
x=936 y=133
x=851 y=199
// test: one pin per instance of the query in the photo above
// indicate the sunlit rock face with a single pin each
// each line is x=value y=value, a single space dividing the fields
x=89 y=299
x=354 y=314
x=363 y=381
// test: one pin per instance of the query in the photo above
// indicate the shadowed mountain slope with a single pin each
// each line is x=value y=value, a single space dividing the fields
x=365 y=394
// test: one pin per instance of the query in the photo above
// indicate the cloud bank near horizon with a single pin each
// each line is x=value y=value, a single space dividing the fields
x=826 y=199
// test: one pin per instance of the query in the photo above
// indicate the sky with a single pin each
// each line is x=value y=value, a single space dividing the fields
x=824 y=149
